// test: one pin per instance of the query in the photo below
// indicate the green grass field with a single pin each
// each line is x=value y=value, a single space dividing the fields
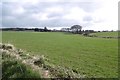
x=106 y=34
x=93 y=57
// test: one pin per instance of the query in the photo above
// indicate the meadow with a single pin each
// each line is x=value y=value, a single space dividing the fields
x=90 y=56
x=106 y=34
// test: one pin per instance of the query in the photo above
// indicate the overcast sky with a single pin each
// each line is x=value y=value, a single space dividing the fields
x=91 y=14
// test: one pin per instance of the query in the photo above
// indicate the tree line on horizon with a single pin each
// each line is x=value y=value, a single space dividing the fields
x=76 y=29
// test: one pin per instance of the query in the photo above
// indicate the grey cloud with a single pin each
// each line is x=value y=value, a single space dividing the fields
x=7 y=8
x=25 y=19
x=86 y=6
x=0 y=6
x=58 y=23
x=0 y=14
x=58 y=15
x=89 y=6
x=87 y=18
x=20 y=22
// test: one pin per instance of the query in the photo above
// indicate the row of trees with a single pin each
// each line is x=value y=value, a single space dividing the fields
x=42 y=30
x=74 y=29
x=77 y=29
x=26 y=29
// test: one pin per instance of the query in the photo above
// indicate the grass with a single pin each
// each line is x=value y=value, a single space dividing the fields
x=105 y=34
x=12 y=68
x=93 y=57
x=17 y=64
x=15 y=69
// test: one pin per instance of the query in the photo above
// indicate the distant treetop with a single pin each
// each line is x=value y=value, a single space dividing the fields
x=76 y=27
